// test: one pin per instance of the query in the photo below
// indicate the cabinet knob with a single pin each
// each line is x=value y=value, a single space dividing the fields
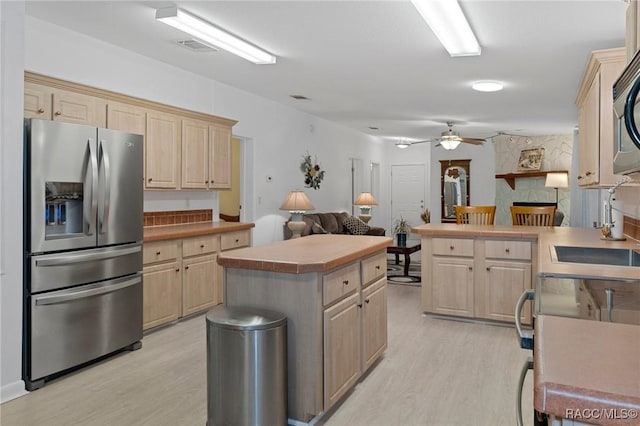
x=186 y=267
x=451 y=247
x=366 y=300
x=201 y=245
x=471 y=268
x=345 y=282
x=237 y=240
x=359 y=305
x=150 y=179
x=507 y=250
x=588 y=173
x=41 y=110
x=177 y=269
x=157 y=253
x=488 y=268
x=378 y=267
x=206 y=181
x=57 y=113
x=579 y=177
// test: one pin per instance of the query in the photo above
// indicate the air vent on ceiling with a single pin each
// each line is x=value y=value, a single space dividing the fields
x=196 y=46
x=300 y=97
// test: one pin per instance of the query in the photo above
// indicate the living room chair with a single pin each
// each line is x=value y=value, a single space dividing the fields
x=475 y=215
x=533 y=216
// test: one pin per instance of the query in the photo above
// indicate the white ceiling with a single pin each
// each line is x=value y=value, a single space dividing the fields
x=376 y=63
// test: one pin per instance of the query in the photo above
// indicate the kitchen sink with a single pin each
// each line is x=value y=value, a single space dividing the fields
x=598 y=255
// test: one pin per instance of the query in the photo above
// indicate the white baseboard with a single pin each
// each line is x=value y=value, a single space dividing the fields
x=12 y=391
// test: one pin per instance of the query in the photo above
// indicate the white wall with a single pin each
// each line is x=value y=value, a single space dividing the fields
x=11 y=107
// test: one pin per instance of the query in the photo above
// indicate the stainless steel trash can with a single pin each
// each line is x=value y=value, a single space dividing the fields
x=246 y=367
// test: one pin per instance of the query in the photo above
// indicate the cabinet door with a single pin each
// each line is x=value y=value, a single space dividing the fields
x=76 y=108
x=503 y=283
x=220 y=157
x=162 y=151
x=589 y=136
x=452 y=286
x=198 y=283
x=341 y=348
x=195 y=154
x=374 y=322
x=162 y=294
x=126 y=118
x=37 y=101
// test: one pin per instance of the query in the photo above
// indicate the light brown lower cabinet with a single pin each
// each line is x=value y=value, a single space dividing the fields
x=477 y=277
x=182 y=277
x=374 y=322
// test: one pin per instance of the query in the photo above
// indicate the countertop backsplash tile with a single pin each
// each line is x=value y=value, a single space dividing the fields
x=177 y=217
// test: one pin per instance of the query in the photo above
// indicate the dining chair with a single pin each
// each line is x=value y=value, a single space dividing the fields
x=475 y=215
x=533 y=216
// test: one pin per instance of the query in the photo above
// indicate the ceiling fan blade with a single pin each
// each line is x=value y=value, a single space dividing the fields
x=424 y=141
x=473 y=141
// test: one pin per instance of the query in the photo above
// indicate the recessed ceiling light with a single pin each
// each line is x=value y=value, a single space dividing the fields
x=487 y=86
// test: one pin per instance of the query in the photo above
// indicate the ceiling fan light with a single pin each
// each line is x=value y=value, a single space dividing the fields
x=487 y=86
x=450 y=143
x=402 y=145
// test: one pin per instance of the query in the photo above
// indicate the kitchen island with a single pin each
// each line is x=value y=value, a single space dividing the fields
x=332 y=288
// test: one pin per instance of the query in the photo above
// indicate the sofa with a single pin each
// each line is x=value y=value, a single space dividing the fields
x=334 y=223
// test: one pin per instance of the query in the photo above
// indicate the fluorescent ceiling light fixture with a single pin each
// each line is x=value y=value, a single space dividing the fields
x=402 y=144
x=450 y=26
x=487 y=86
x=213 y=35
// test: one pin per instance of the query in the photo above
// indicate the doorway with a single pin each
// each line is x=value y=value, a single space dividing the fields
x=407 y=194
x=229 y=200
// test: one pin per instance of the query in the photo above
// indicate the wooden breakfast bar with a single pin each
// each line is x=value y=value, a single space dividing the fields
x=332 y=288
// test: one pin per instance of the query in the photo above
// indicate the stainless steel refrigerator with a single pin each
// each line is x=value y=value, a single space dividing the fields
x=83 y=246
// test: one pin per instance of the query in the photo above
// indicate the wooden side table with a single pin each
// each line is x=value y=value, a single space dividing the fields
x=406 y=251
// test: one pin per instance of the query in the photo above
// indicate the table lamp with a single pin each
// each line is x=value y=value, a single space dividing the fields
x=296 y=203
x=557 y=180
x=365 y=200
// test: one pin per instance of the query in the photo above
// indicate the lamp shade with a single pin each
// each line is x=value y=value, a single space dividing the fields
x=297 y=201
x=365 y=199
x=557 y=180
x=449 y=143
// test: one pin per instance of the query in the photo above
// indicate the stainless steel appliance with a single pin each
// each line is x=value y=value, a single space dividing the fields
x=83 y=246
x=626 y=114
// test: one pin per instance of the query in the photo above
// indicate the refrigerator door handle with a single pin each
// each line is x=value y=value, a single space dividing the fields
x=104 y=216
x=525 y=337
x=528 y=365
x=66 y=259
x=90 y=221
x=83 y=294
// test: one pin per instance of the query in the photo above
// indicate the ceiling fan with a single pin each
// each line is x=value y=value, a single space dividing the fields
x=449 y=139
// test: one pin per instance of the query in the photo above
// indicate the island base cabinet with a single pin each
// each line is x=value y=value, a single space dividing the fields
x=452 y=280
x=341 y=348
x=504 y=282
x=162 y=289
x=374 y=322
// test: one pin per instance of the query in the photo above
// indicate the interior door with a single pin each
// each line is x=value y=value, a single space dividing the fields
x=408 y=194
x=120 y=210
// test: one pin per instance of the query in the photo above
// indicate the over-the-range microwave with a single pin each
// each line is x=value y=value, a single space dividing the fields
x=626 y=114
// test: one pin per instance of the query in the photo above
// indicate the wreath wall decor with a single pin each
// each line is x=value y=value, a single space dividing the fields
x=313 y=175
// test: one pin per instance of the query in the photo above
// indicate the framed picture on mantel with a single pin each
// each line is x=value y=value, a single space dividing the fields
x=530 y=160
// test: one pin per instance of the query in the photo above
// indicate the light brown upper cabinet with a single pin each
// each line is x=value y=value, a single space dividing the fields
x=60 y=105
x=632 y=35
x=595 y=117
x=182 y=149
x=162 y=151
x=206 y=155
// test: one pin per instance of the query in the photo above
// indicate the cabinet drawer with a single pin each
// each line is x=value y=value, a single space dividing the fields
x=374 y=267
x=232 y=240
x=508 y=249
x=340 y=282
x=159 y=251
x=452 y=247
x=199 y=245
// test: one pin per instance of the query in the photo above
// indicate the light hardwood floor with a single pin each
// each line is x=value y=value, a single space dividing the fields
x=434 y=372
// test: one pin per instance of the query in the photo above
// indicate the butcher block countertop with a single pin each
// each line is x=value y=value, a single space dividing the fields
x=547 y=238
x=587 y=368
x=171 y=232
x=313 y=253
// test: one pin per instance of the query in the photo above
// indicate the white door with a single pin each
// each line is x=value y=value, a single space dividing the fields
x=407 y=194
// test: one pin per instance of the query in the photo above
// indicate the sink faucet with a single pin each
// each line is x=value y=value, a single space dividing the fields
x=608 y=214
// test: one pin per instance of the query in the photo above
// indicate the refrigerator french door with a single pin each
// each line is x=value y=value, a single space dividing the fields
x=83 y=246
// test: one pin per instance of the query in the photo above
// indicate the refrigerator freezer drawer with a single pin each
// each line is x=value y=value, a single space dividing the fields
x=59 y=270
x=73 y=326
